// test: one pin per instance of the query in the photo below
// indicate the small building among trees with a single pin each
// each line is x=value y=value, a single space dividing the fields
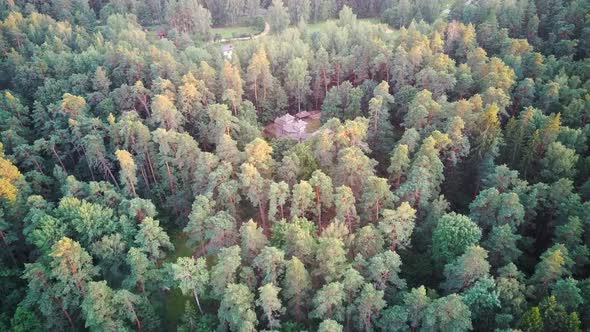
x=295 y=126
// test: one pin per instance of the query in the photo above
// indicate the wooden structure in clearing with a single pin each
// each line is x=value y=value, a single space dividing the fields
x=292 y=126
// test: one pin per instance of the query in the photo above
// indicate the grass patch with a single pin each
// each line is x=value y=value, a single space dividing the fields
x=179 y=239
x=312 y=125
x=236 y=31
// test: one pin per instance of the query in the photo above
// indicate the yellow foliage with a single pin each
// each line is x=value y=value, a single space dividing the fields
x=9 y=174
x=63 y=247
x=125 y=158
x=73 y=105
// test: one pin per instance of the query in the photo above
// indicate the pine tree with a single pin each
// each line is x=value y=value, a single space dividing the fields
x=278 y=194
x=368 y=241
x=298 y=80
x=98 y=308
x=235 y=310
x=128 y=170
x=165 y=114
x=323 y=193
x=72 y=266
x=271 y=264
x=567 y=293
x=329 y=325
x=381 y=130
x=502 y=245
x=447 y=313
x=453 y=234
x=352 y=281
x=555 y=317
x=555 y=263
x=280 y=17
x=253 y=240
x=330 y=259
x=297 y=287
x=255 y=187
x=376 y=197
x=270 y=304
x=397 y=226
x=192 y=276
x=259 y=76
x=489 y=130
x=224 y=273
x=328 y=302
x=399 y=164
x=346 y=209
x=195 y=229
x=153 y=240
x=369 y=304
x=127 y=305
x=231 y=85
x=384 y=269
x=531 y=321
x=466 y=269
x=353 y=169
x=302 y=199
x=416 y=303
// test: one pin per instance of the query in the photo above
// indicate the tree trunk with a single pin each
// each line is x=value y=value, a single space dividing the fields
x=79 y=283
x=132 y=188
x=150 y=164
x=377 y=211
x=256 y=90
x=325 y=80
x=262 y=212
x=145 y=179
x=319 y=207
x=349 y=221
x=137 y=321
x=55 y=299
x=57 y=157
x=203 y=249
x=110 y=174
x=347 y=320
x=170 y=182
x=198 y=303
x=36 y=164
x=143 y=102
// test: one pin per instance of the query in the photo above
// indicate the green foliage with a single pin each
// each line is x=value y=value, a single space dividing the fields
x=448 y=313
x=329 y=325
x=270 y=304
x=24 y=320
x=453 y=234
x=466 y=269
x=567 y=293
x=140 y=191
x=279 y=16
x=327 y=302
x=531 y=321
x=235 y=310
x=191 y=275
x=556 y=318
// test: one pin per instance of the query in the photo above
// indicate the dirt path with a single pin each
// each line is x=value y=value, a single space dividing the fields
x=263 y=33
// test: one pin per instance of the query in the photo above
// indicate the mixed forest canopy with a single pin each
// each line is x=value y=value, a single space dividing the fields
x=445 y=186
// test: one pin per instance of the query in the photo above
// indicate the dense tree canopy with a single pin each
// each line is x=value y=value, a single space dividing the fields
x=433 y=173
